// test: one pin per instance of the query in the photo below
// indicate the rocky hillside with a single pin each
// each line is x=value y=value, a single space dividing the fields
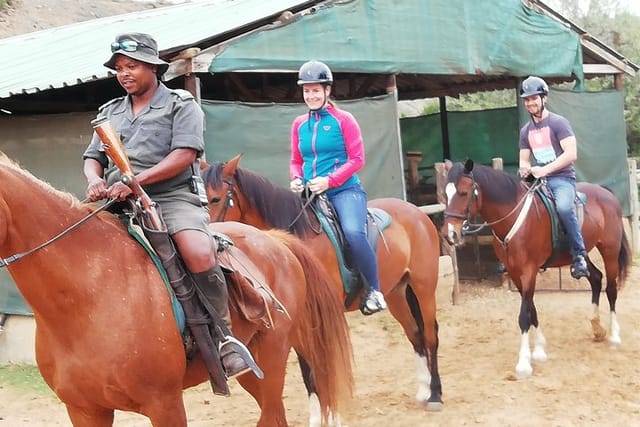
x=25 y=16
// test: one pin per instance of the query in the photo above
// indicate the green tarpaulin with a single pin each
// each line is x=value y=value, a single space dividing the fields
x=261 y=132
x=419 y=36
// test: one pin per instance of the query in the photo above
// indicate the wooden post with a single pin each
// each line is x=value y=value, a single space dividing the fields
x=445 y=247
x=635 y=204
x=413 y=159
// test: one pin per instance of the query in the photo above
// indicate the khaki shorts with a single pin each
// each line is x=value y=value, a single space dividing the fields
x=182 y=210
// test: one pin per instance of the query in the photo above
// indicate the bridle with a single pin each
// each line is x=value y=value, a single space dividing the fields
x=228 y=199
x=469 y=227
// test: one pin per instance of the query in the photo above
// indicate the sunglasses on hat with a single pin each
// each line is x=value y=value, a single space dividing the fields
x=127 y=46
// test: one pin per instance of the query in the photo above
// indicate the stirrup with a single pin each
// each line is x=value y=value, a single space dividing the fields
x=241 y=350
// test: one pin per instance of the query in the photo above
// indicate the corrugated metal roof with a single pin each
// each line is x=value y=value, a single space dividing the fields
x=74 y=54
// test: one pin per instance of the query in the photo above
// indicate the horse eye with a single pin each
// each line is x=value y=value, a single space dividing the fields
x=214 y=200
x=463 y=193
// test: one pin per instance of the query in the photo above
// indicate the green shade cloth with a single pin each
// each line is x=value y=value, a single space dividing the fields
x=261 y=131
x=420 y=36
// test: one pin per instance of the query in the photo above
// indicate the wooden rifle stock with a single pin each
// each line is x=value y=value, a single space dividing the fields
x=115 y=150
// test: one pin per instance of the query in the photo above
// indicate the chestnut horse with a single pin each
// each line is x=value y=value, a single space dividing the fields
x=408 y=255
x=106 y=336
x=523 y=242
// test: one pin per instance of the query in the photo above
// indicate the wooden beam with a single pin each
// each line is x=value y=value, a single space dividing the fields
x=620 y=64
x=601 y=69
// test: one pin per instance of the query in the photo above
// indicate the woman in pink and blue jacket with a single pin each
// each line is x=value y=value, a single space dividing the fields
x=327 y=151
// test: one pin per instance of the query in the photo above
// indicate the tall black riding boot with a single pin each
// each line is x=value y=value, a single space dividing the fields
x=233 y=352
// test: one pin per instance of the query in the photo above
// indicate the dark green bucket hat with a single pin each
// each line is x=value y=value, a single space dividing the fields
x=138 y=46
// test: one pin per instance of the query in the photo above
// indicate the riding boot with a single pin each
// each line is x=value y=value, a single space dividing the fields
x=579 y=267
x=213 y=285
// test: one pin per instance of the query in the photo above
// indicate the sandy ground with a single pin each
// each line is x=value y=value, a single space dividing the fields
x=583 y=383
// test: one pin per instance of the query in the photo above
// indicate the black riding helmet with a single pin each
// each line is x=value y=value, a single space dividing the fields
x=533 y=86
x=314 y=72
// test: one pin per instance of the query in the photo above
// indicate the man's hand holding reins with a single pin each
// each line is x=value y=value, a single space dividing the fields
x=96 y=189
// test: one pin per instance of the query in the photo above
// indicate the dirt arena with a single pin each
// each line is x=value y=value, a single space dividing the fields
x=583 y=383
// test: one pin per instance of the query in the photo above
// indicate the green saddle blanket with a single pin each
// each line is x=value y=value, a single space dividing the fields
x=377 y=221
x=178 y=313
x=559 y=239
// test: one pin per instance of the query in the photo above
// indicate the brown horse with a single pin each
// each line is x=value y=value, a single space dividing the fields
x=106 y=336
x=408 y=255
x=522 y=232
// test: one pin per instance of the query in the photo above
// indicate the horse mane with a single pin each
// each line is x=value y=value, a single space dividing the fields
x=65 y=196
x=276 y=205
x=496 y=185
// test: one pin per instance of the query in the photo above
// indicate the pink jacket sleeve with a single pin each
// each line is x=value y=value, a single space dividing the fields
x=355 y=150
x=295 y=164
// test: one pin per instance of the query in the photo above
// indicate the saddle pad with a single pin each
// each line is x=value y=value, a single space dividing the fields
x=136 y=232
x=558 y=242
x=377 y=221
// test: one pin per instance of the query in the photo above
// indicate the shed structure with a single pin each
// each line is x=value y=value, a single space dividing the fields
x=239 y=57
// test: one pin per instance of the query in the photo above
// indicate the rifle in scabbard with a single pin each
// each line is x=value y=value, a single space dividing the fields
x=179 y=279
x=115 y=150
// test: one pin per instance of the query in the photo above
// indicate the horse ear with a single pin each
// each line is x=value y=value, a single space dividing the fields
x=468 y=166
x=230 y=167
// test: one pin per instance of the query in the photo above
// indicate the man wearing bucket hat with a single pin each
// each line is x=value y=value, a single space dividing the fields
x=162 y=131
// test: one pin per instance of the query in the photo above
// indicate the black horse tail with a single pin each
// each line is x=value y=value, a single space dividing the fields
x=624 y=260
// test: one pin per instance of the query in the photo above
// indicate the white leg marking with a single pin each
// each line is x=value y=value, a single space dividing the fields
x=539 y=354
x=315 y=414
x=614 y=333
x=523 y=367
x=424 y=379
x=334 y=420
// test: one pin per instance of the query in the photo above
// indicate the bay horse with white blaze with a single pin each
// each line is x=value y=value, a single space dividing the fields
x=106 y=335
x=408 y=255
x=522 y=240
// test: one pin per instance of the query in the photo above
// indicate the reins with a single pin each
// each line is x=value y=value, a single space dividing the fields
x=4 y=262
x=309 y=196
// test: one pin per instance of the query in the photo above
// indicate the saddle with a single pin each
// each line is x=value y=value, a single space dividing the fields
x=559 y=239
x=249 y=294
x=377 y=221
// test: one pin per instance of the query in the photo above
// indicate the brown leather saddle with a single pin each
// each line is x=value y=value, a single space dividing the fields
x=249 y=294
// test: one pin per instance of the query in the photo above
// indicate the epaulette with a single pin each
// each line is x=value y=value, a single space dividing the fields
x=183 y=94
x=106 y=104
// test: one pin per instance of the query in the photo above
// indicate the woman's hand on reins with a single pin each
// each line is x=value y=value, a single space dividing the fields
x=296 y=185
x=319 y=184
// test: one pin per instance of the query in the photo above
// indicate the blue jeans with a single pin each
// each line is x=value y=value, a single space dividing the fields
x=350 y=205
x=564 y=193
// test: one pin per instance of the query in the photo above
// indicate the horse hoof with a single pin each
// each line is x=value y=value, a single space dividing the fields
x=434 y=406
x=615 y=344
x=539 y=356
x=523 y=372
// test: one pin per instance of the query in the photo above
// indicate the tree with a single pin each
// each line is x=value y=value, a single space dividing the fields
x=603 y=19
